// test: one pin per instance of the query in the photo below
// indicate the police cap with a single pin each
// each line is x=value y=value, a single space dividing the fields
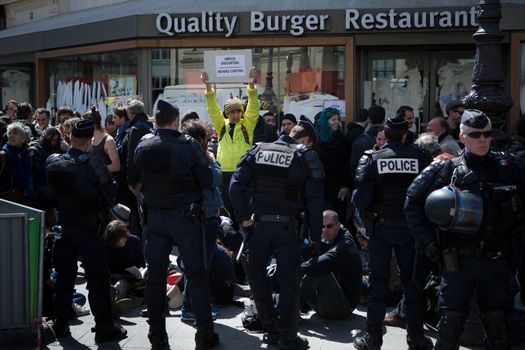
x=474 y=119
x=83 y=129
x=398 y=122
x=165 y=106
x=310 y=129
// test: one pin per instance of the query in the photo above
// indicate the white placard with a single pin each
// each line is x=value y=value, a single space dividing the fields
x=337 y=104
x=228 y=66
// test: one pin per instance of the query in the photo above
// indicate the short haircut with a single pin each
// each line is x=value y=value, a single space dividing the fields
x=121 y=112
x=442 y=122
x=298 y=132
x=42 y=111
x=429 y=142
x=361 y=115
x=115 y=230
x=196 y=129
x=135 y=107
x=94 y=116
x=65 y=110
x=376 y=114
x=69 y=124
x=332 y=215
x=166 y=116
x=189 y=115
x=268 y=114
x=394 y=134
x=403 y=109
x=24 y=110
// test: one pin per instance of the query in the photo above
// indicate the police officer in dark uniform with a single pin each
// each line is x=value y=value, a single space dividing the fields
x=473 y=200
x=173 y=171
x=382 y=178
x=287 y=179
x=84 y=190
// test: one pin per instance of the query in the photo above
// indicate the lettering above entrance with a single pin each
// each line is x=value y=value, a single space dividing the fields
x=320 y=22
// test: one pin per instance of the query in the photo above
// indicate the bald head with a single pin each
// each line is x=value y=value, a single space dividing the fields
x=437 y=126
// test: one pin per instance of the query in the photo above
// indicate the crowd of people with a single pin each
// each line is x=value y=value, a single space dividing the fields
x=314 y=216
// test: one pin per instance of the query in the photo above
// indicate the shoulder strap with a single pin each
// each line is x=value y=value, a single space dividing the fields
x=244 y=134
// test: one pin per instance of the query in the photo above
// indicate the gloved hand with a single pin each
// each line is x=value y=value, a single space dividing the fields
x=432 y=252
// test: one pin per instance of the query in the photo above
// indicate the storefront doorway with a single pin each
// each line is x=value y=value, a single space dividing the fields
x=426 y=80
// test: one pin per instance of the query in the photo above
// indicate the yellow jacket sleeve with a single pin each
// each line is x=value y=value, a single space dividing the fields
x=214 y=111
x=252 y=112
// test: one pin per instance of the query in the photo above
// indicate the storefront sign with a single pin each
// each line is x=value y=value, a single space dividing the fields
x=232 y=66
x=332 y=21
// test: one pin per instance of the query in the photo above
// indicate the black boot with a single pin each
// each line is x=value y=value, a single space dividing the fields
x=368 y=342
x=271 y=337
x=450 y=327
x=159 y=341
x=292 y=342
x=109 y=332
x=496 y=331
x=206 y=338
x=61 y=328
x=419 y=342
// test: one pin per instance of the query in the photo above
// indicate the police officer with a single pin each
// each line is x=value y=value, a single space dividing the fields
x=173 y=170
x=382 y=178
x=84 y=190
x=476 y=213
x=287 y=179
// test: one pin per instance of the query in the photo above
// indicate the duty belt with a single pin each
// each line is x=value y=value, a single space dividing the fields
x=275 y=218
x=480 y=253
x=392 y=222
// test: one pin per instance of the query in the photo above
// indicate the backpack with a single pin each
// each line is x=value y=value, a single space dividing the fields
x=244 y=134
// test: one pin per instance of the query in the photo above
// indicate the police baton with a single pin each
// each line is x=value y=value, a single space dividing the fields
x=245 y=231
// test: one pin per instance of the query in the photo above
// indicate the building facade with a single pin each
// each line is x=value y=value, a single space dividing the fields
x=308 y=54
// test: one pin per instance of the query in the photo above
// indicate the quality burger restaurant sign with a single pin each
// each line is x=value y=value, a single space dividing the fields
x=318 y=22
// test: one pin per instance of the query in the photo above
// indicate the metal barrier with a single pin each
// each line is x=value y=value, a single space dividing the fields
x=21 y=260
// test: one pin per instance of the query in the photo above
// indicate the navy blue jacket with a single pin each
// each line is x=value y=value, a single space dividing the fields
x=305 y=169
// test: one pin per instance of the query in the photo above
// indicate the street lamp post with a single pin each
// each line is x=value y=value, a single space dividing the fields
x=487 y=93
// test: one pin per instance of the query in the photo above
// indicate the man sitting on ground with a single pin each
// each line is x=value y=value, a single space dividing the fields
x=331 y=284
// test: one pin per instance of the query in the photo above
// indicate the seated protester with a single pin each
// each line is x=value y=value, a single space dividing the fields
x=331 y=284
x=124 y=251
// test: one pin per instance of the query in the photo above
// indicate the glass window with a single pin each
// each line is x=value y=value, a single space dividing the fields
x=396 y=81
x=102 y=79
x=453 y=80
x=16 y=82
x=291 y=79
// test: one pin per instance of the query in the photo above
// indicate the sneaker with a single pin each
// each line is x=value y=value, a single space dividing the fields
x=80 y=310
x=207 y=341
x=392 y=319
x=368 y=342
x=110 y=332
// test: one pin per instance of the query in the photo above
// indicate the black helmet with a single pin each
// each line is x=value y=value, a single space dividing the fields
x=454 y=210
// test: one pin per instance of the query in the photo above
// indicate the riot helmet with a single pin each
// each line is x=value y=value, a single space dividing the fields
x=454 y=210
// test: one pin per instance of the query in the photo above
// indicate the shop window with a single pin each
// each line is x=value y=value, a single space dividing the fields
x=103 y=80
x=16 y=83
x=294 y=80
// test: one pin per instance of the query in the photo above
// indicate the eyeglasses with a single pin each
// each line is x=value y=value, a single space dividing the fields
x=458 y=111
x=477 y=134
x=329 y=226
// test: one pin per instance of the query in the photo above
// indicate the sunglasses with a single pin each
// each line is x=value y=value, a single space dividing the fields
x=477 y=134
x=329 y=226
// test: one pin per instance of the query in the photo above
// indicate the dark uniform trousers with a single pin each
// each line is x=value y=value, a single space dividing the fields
x=279 y=240
x=380 y=245
x=73 y=242
x=165 y=229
